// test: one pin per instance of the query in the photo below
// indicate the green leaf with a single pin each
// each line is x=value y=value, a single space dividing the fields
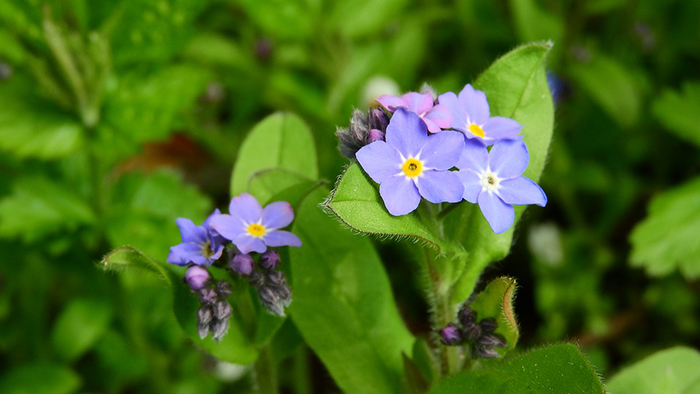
x=611 y=85
x=31 y=127
x=280 y=141
x=666 y=239
x=287 y=19
x=356 y=201
x=343 y=305
x=38 y=206
x=267 y=183
x=128 y=257
x=39 y=378
x=496 y=301
x=546 y=27
x=669 y=371
x=359 y=18
x=79 y=326
x=680 y=111
x=553 y=369
x=516 y=87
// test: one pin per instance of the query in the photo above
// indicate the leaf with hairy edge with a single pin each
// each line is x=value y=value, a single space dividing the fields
x=496 y=301
x=553 y=369
x=356 y=201
x=280 y=141
x=343 y=305
x=516 y=87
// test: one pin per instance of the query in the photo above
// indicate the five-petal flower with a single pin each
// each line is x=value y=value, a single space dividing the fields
x=436 y=117
x=411 y=164
x=253 y=228
x=471 y=116
x=201 y=245
x=494 y=180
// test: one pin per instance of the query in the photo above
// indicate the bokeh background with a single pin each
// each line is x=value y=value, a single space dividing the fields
x=116 y=117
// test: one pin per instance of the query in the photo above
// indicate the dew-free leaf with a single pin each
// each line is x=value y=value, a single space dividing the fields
x=671 y=371
x=680 y=111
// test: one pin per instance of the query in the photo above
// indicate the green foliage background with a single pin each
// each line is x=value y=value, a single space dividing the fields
x=118 y=117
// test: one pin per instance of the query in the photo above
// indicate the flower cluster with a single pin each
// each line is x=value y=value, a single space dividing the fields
x=252 y=231
x=480 y=336
x=446 y=149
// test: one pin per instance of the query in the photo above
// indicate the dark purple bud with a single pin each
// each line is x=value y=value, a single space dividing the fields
x=223 y=289
x=207 y=296
x=466 y=316
x=451 y=335
x=242 y=264
x=472 y=332
x=271 y=300
x=487 y=353
x=222 y=310
x=276 y=277
x=218 y=329
x=490 y=341
x=204 y=316
x=379 y=120
x=488 y=325
x=375 y=135
x=257 y=279
x=270 y=259
x=197 y=277
x=202 y=330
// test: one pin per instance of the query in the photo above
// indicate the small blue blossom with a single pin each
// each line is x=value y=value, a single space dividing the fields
x=494 y=180
x=471 y=116
x=201 y=245
x=411 y=164
x=436 y=117
x=252 y=228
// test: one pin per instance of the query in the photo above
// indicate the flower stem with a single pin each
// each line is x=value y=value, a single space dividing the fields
x=265 y=372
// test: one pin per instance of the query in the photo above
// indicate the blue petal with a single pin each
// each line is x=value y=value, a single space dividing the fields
x=440 y=115
x=440 y=186
x=508 y=159
x=282 y=238
x=420 y=103
x=472 y=185
x=459 y=117
x=277 y=215
x=400 y=195
x=246 y=244
x=442 y=150
x=475 y=105
x=499 y=128
x=499 y=214
x=191 y=232
x=406 y=132
x=245 y=207
x=474 y=157
x=228 y=226
x=206 y=222
x=379 y=160
x=522 y=191
x=185 y=253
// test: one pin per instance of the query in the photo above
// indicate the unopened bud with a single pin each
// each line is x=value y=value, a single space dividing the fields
x=472 y=332
x=375 y=135
x=242 y=264
x=222 y=310
x=451 y=335
x=466 y=316
x=197 y=277
x=270 y=259
x=223 y=289
x=202 y=330
x=488 y=325
x=218 y=329
x=207 y=296
x=204 y=315
x=490 y=341
x=257 y=279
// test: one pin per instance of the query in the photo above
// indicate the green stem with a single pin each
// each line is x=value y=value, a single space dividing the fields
x=265 y=372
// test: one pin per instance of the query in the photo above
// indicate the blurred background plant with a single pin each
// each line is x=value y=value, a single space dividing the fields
x=118 y=117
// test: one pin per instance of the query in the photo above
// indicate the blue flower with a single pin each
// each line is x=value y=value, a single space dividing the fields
x=411 y=164
x=494 y=180
x=471 y=116
x=201 y=245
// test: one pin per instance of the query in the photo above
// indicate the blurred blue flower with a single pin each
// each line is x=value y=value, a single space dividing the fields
x=201 y=245
x=494 y=180
x=252 y=228
x=436 y=117
x=411 y=164
x=471 y=116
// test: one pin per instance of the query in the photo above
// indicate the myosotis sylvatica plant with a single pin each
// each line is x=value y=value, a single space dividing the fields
x=445 y=175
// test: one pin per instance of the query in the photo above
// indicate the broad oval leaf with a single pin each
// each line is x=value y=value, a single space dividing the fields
x=79 y=326
x=343 y=305
x=669 y=371
x=680 y=111
x=553 y=369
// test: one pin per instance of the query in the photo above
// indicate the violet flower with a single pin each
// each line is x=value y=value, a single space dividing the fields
x=252 y=228
x=411 y=164
x=201 y=245
x=436 y=117
x=494 y=180
x=471 y=116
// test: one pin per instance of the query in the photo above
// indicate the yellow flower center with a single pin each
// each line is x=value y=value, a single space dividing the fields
x=476 y=130
x=412 y=167
x=256 y=230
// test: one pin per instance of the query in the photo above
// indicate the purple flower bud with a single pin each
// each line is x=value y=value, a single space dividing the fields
x=207 y=296
x=257 y=279
x=488 y=325
x=486 y=353
x=202 y=330
x=223 y=289
x=270 y=259
x=222 y=310
x=466 y=316
x=204 y=315
x=276 y=277
x=451 y=335
x=242 y=264
x=490 y=341
x=472 y=332
x=375 y=135
x=218 y=329
x=379 y=120
x=197 y=277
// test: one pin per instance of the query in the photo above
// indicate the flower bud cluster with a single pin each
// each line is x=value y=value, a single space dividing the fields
x=365 y=128
x=481 y=337
x=271 y=284
x=214 y=312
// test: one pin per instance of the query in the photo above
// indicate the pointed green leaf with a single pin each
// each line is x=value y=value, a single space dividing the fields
x=496 y=301
x=79 y=326
x=343 y=305
x=280 y=141
x=553 y=369
x=356 y=201
x=671 y=371
x=680 y=111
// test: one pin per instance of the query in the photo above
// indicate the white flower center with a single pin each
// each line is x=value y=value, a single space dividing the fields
x=490 y=181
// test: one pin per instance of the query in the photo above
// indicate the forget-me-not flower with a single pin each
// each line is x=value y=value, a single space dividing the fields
x=253 y=228
x=436 y=117
x=411 y=164
x=494 y=180
x=201 y=245
x=471 y=116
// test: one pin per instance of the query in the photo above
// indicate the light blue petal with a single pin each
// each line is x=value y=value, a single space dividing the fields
x=522 y=191
x=246 y=244
x=282 y=238
x=191 y=232
x=474 y=157
x=245 y=207
x=418 y=103
x=406 y=132
x=277 y=215
x=499 y=214
x=379 y=160
x=391 y=103
x=440 y=186
x=459 y=116
x=228 y=226
x=508 y=159
x=400 y=195
x=185 y=253
x=442 y=150
x=472 y=185
x=441 y=116
x=475 y=105
x=499 y=128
